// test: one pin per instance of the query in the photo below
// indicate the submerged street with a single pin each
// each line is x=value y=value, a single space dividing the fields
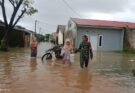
x=107 y=73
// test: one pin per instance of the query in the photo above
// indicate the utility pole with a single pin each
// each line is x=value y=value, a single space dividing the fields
x=35 y=26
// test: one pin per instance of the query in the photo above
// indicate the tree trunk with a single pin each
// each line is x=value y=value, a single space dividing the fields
x=5 y=40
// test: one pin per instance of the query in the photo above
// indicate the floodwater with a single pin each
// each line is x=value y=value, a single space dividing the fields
x=107 y=73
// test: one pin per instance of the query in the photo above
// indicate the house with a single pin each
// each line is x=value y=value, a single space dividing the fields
x=1 y=29
x=20 y=36
x=24 y=36
x=103 y=35
x=60 y=34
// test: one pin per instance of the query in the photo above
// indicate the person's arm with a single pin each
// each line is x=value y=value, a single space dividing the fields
x=71 y=49
x=90 y=50
x=80 y=46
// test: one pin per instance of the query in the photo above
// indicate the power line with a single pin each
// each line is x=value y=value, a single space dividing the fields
x=47 y=23
x=43 y=22
x=45 y=28
x=65 y=2
x=40 y=27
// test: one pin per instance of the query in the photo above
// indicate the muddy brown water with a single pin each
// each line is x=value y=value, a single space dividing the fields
x=108 y=73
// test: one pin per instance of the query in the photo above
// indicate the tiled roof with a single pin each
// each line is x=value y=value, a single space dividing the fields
x=102 y=23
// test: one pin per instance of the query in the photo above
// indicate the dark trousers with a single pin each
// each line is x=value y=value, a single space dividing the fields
x=84 y=61
x=33 y=52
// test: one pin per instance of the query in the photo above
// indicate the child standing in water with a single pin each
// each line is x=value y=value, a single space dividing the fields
x=66 y=51
x=33 y=47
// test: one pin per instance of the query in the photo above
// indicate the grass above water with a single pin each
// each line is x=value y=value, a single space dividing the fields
x=128 y=51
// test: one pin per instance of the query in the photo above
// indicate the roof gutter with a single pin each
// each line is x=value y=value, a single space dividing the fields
x=100 y=27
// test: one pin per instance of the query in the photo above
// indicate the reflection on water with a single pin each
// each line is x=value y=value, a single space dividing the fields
x=84 y=81
x=67 y=76
x=107 y=73
x=33 y=64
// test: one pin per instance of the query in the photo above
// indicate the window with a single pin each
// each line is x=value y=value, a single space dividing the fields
x=100 y=40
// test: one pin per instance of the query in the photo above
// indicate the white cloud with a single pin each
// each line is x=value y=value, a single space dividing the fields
x=101 y=16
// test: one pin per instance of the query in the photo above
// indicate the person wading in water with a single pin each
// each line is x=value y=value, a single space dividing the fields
x=33 y=47
x=85 y=52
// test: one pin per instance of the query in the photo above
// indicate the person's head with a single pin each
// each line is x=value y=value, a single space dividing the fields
x=68 y=43
x=33 y=40
x=85 y=38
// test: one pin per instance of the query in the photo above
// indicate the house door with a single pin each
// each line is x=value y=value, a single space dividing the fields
x=93 y=39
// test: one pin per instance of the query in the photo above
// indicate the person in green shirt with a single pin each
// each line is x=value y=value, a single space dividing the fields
x=85 y=52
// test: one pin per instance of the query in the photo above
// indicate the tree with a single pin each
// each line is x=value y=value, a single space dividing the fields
x=20 y=8
x=47 y=37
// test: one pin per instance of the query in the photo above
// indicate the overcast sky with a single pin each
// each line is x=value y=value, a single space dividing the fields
x=54 y=12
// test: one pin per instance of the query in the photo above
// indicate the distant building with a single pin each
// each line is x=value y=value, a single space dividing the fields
x=103 y=35
x=60 y=34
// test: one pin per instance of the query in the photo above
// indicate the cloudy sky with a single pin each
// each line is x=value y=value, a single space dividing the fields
x=54 y=12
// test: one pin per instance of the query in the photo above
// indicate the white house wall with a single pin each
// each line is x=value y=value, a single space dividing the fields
x=60 y=37
x=70 y=33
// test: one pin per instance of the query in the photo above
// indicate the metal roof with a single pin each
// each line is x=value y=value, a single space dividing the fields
x=17 y=28
x=102 y=23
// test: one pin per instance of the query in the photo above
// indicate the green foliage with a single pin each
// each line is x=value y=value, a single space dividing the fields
x=29 y=8
x=51 y=39
x=128 y=51
x=40 y=37
x=31 y=11
x=47 y=37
